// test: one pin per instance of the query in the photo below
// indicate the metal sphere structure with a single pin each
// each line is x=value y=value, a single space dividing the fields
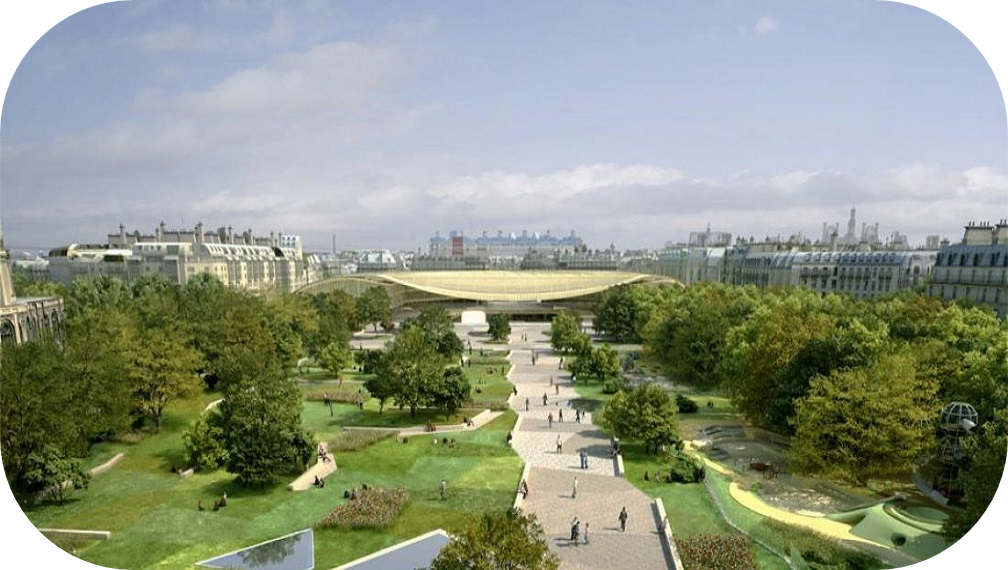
x=958 y=418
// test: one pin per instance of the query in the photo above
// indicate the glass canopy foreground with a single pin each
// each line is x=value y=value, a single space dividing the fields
x=292 y=552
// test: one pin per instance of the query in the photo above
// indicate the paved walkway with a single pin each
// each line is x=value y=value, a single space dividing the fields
x=601 y=495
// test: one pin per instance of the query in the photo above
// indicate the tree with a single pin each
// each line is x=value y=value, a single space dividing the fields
x=604 y=363
x=565 y=329
x=380 y=387
x=335 y=358
x=162 y=370
x=852 y=344
x=37 y=407
x=50 y=472
x=689 y=336
x=204 y=443
x=88 y=293
x=762 y=345
x=499 y=327
x=261 y=422
x=498 y=541
x=413 y=366
x=436 y=324
x=646 y=413
x=374 y=306
x=865 y=423
x=451 y=392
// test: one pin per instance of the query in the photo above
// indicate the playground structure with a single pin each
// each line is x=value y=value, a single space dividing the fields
x=908 y=526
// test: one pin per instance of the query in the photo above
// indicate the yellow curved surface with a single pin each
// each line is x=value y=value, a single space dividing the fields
x=508 y=286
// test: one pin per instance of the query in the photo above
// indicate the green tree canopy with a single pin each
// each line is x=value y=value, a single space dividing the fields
x=413 y=365
x=565 y=331
x=162 y=370
x=335 y=358
x=688 y=336
x=261 y=424
x=498 y=541
x=499 y=327
x=645 y=413
x=451 y=392
x=374 y=306
x=762 y=345
x=865 y=423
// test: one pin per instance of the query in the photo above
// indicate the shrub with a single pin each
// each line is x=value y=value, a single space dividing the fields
x=492 y=405
x=817 y=550
x=373 y=508
x=716 y=552
x=683 y=467
x=686 y=405
x=612 y=385
x=204 y=445
x=357 y=439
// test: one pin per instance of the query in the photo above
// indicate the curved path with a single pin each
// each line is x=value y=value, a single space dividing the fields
x=600 y=494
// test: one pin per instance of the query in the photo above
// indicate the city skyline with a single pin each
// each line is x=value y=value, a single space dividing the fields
x=377 y=125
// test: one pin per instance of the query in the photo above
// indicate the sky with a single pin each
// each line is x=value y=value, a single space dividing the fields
x=381 y=123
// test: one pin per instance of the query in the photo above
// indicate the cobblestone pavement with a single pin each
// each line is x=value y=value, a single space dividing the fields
x=551 y=477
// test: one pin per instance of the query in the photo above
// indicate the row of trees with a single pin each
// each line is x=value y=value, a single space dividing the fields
x=858 y=385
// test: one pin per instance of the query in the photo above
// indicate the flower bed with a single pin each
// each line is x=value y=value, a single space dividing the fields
x=357 y=439
x=339 y=397
x=716 y=552
x=372 y=508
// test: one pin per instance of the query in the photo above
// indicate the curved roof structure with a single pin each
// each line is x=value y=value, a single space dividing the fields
x=486 y=286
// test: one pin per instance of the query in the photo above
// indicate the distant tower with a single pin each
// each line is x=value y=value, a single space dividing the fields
x=851 y=236
x=6 y=283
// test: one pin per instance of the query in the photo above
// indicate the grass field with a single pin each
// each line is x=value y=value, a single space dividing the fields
x=155 y=523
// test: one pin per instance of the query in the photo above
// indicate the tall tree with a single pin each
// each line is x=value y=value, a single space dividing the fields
x=335 y=358
x=498 y=541
x=646 y=413
x=852 y=344
x=689 y=337
x=765 y=343
x=163 y=370
x=413 y=365
x=499 y=327
x=374 y=306
x=565 y=330
x=865 y=423
x=37 y=407
x=261 y=422
x=451 y=392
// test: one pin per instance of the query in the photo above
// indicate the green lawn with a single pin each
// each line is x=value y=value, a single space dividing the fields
x=154 y=520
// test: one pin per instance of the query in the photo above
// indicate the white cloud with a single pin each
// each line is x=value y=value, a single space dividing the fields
x=766 y=25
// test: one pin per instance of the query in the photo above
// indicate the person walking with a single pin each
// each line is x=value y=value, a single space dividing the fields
x=545 y=399
x=577 y=415
x=560 y=413
x=444 y=489
x=559 y=444
x=574 y=492
x=622 y=520
x=549 y=419
x=575 y=530
x=526 y=404
x=586 y=533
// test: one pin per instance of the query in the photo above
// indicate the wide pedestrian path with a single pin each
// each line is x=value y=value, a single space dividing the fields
x=600 y=494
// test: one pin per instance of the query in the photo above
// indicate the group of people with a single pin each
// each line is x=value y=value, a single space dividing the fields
x=218 y=503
